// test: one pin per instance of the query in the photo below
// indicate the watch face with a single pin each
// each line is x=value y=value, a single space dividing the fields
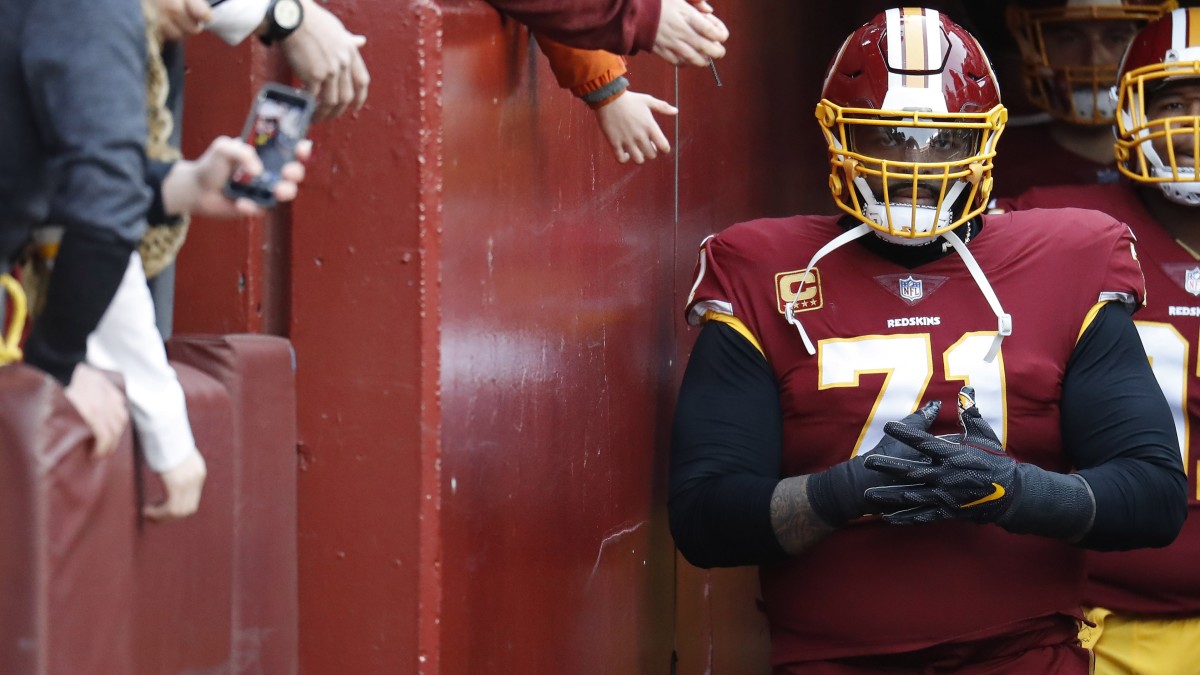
x=287 y=14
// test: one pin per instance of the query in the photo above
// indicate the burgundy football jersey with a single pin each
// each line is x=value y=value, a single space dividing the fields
x=889 y=338
x=1165 y=580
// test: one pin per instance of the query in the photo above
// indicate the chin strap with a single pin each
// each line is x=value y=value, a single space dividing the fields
x=835 y=243
x=1004 y=320
x=901 y=217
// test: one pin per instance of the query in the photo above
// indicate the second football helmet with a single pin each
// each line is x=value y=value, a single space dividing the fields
x=1070 y=50
x=911 y=113
x=1158 y=146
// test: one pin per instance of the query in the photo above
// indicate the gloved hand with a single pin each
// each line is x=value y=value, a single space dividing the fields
x=971 y=477
x=837 y=494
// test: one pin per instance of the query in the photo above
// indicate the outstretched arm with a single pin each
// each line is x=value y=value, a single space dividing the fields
x=626 y=118
x=679 y=31
x=629 y=125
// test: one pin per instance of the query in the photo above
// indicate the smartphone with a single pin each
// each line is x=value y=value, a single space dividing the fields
x=278 y=120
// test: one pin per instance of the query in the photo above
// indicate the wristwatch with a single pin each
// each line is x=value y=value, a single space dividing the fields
x=283 y=18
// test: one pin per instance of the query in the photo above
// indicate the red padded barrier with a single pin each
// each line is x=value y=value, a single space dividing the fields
x=257 y=371
x=183 y=593
x=67 y=527
x=89 y=587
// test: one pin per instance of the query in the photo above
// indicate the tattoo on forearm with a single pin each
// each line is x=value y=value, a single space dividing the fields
x=796 y=526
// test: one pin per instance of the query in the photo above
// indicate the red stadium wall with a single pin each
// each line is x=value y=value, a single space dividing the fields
x=486 y=313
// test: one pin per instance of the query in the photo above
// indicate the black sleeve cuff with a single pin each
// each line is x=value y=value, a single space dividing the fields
x=156 y=173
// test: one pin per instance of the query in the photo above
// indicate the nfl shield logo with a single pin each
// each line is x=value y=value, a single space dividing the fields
x=1191 y=281
x=910 y=288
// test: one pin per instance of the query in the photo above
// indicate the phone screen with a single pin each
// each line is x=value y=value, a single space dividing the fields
x=278 y=121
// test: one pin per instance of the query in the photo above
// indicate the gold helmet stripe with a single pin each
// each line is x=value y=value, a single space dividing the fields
x=915 y=46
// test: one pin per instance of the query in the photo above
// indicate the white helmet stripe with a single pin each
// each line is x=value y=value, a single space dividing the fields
x=894 y=58
x=918 y=49
x=933 y=56
x=1179 y=32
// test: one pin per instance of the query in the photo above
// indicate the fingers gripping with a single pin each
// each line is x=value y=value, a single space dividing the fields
x=969 y=476
x=838 y=494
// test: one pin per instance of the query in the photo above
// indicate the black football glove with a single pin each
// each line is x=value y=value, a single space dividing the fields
x=971 y=477
x=837 y=494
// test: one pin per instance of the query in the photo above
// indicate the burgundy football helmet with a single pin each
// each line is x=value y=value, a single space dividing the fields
x=1159 y=147
x=911 y=112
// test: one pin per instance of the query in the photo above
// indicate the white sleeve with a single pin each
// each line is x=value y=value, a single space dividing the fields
x=127 y=341
x=234 y=20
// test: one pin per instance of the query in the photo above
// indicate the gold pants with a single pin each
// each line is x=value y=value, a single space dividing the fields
x=1142 y=646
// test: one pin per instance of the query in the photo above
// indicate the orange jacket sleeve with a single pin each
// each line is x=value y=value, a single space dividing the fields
x=585 y=72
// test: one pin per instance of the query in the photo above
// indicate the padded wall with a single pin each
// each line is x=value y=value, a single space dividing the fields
x=88 y=586
x=68 y=533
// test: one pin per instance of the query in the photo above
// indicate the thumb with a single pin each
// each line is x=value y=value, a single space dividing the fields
x=159 y=513
x=236 y=153
x=966 y=403
x=662 y=107
x=360 y=40
x=924 y=417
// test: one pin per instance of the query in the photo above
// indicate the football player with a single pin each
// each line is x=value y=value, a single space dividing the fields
x=1070 y=50
x=1155 y=595
x=819 y=330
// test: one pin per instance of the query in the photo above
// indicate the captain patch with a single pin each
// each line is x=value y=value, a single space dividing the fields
x=804 y=290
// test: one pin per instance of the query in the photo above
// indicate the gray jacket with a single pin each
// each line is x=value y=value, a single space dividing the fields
x=72 y=151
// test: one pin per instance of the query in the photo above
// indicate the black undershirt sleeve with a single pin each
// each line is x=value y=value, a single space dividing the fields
x=1118 y=431
x=88 y=269
x=726 y=449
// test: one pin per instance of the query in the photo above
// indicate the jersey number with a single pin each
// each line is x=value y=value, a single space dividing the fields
x=1169 y=358
x=906 y=361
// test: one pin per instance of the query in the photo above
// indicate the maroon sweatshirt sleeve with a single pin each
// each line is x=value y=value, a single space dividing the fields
x=618 y=26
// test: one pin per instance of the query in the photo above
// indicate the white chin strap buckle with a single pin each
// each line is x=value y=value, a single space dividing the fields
x=1186 y=191
x=908 y=226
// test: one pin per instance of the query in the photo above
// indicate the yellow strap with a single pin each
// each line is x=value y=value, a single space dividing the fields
x=736 y=324
x=10 y=348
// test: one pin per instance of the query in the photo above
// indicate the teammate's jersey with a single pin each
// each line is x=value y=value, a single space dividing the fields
x=889 y=338
x=1030 y=157
x=1153 y=581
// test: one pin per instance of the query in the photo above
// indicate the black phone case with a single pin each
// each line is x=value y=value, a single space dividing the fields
x=259 y=191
